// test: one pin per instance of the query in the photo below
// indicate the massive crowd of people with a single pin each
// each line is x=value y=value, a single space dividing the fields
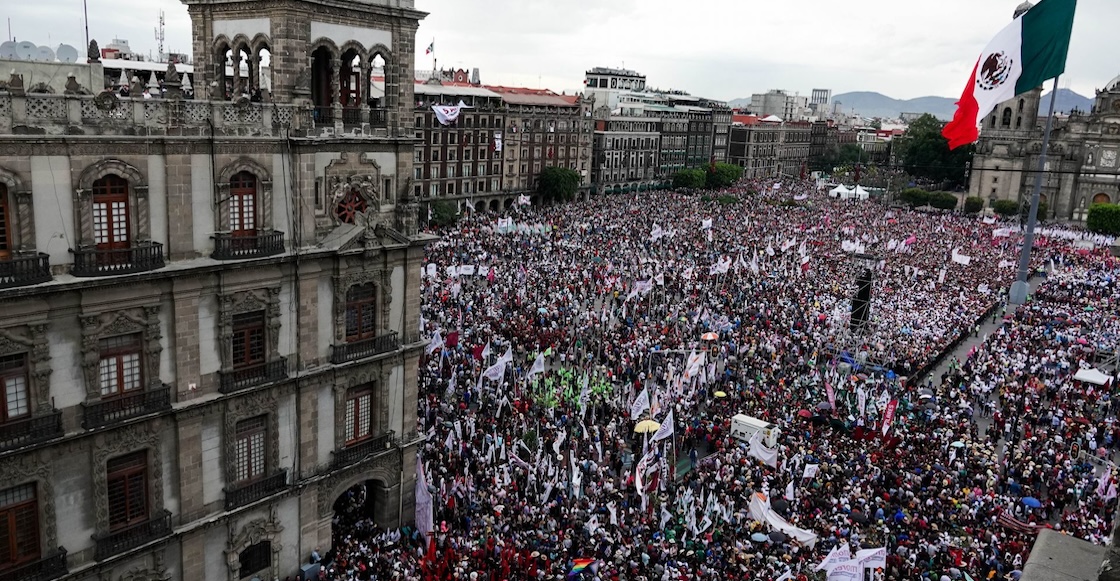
x=557 y=330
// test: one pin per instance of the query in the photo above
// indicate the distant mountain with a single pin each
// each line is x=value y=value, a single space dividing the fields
x=1067 y=101
x=739 y=103
x=870 y=104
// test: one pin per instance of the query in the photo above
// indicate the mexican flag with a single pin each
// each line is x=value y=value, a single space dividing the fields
x=431 y=47
x=1021 y=57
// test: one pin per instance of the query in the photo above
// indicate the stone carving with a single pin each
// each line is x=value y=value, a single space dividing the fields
x=33 y=341
x=37 y=468
x=253 y=405
x=93 y=54
x=131 y=439
x=384 y=467
x=252 y=533
x=72 y=87
x=267 y=300
x=1108 y=158
x=144 y=320
x=172 y=75
x=106 y=100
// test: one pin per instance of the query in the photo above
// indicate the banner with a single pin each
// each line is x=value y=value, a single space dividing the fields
x=861 y=401
x=706 y=224
x=846 y=571
x=666 y=429
x=872 y=558
x=811 y=470
x=836 y=556
x=497 y=143
x=641 y=404
x=961 y=258
x=888 y=416
x=831 y=396
x=447 y=114
x=760 y=511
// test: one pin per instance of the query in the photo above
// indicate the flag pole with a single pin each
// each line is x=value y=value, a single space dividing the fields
x=1021 y=286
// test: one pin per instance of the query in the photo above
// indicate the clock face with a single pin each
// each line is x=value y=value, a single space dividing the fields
x=1108 y=158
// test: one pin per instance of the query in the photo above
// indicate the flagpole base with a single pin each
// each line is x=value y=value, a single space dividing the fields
x=1018 y=294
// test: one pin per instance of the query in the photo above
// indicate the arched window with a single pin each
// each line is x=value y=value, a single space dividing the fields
x=243 y=204
x=110 y=212
x=1102 y=198
x=361 y=312
x=993 y=122
x=255 y=559
x=1022 y=103
x=1018 y=122
x=5 y=224
x=1007 y=117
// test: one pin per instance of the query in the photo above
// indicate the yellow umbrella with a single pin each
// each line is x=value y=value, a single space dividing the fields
x=721 y=394
x=646 y=426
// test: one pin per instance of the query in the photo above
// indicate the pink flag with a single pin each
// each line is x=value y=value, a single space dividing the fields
x=831 y=394
x=888 y=416
x=912 y=239
x=490 y=275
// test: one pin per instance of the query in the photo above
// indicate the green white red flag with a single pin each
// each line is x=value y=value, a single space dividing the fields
x=1022 y=56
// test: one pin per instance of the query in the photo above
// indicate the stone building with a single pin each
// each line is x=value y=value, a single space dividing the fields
x=209 y=308
x=768 y=149
x=1081 y=166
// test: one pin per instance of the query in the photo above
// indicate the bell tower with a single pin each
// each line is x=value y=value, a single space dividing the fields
x=351 y=60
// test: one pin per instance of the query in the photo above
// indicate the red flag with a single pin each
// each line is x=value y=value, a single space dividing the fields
x=888 y=416
x=477 y=351
x=452 y=339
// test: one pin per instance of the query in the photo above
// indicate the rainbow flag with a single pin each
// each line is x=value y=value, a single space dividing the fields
x=579 y=565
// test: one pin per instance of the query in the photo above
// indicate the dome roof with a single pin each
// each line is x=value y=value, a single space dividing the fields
x=1113 y=85
x=1023 y=8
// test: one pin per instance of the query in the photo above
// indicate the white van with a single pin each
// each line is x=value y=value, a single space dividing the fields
x=744 y=427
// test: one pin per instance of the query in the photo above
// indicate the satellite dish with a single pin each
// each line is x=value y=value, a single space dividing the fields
x=8 y=50
x=26 y=51
x=67 y=53
x=45 y=54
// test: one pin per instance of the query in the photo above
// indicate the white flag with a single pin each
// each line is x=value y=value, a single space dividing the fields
x=486 y=351
x=524 y=200
x=706 y=224
x=538 y=366
x=641 y=404
x=872 y=558
x=436 y=343
x=508 y=355
x=447 y=114
x=836 y=556
x=811 y=470
x=846 y=571
x=960 y=258
x=665 y=430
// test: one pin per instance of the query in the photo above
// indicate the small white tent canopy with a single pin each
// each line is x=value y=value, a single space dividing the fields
x=1090 y=375
x=839 y=192
x=860 y=194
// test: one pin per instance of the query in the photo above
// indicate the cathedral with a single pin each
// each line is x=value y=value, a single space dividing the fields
x=1081 y=166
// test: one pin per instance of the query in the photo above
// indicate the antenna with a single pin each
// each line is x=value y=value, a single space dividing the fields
x=85 y=21
x=160 y=36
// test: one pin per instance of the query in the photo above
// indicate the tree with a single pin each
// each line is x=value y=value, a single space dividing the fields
x=443 y=213
x=558 y=184
x=693 y=179
x=1043 y=210
x=973 y=204
x=724 y=176
x=925 y=154
x=1005 y=207
x=943 y=200
x=914 y=197
x=876 y=124
x=1104 y=219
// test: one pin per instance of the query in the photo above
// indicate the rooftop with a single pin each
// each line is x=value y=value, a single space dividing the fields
x=526 y=96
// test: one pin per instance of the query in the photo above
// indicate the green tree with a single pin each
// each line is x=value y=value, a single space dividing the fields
x=973 y=204
x=1005 y=207
x=925 y=154
x=724 y=176
x=443 y=213
x=1104 y=219
x=1043 y=210
x=558 y=184
x=943 y=200
x=914 y=197
x=876 y=124
x=690 y=178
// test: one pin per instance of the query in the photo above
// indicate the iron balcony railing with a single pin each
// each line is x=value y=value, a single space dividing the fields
x=130 y=405
x=47 y=568
x=365 y=348
x=323 y=115
x=351 y=116
x=110 y=261
x=240 y=246
x=240 y=495
x=128 y=538
x=18 y=433
x=357 y=452
x=238 y=379
x=378 y=117
x=25 y=270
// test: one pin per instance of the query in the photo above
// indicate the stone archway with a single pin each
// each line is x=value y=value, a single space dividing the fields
x=480 y=206
x=1102 y=198
x=494 y=206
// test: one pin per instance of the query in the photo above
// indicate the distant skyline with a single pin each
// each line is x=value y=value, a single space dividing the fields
x=720 y=49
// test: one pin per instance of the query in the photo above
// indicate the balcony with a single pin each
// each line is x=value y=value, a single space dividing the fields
x=323 y=115
x=25 y=270
x=50 y=567
x=18 y=433
x=143 y=257
x=117 y=542
x=238 y=379
x=351 y=116
x=378 y=117
x=355 y=453
x=241 y=246
x=108 y=411
x=254 y=491
x=365 y=348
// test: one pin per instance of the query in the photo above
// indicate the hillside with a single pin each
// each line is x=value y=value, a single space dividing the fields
x=1067 y=101
x=871 y=104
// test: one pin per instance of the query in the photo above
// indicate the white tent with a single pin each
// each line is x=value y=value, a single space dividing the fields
x=839 y=192
x=1090 y=375
x=860 y=194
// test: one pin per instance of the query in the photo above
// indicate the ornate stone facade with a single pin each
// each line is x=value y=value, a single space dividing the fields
x=1080 y=166
x=95 y=327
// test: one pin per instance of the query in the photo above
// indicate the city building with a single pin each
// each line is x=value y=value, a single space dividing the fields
x=626 y=147
x=209 y=308
x=821 y=97
x=1081 y=167
x=770 y=148
x=779 y=103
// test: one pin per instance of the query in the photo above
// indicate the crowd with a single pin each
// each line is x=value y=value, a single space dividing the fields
x=557 y=331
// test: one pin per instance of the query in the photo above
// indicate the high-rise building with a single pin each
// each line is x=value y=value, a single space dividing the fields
x=821 y=97
x=209 y=307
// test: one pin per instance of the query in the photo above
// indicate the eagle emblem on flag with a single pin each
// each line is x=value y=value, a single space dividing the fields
x=995 y=70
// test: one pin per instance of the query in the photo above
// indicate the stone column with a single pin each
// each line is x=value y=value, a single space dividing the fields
x=191 y=506
x=187 y=347
x=335 y=90
x=237 y=86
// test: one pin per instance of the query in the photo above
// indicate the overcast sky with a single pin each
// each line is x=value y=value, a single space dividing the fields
x=722 y=49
